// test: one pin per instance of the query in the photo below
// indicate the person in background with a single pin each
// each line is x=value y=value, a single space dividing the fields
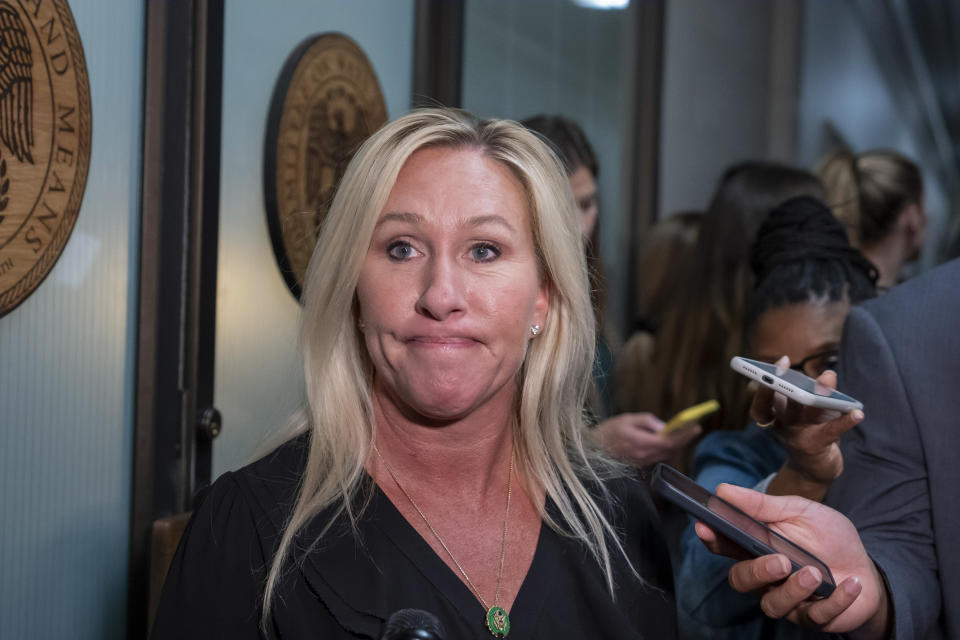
x=889 y=524
x=570 y=143
x=631 y=436
x=878 y=195
x=702 y=329
x=806 y=279
x=670 y=242
x=666 y=246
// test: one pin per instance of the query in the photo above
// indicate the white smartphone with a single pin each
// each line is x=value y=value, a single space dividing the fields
x=795 y=385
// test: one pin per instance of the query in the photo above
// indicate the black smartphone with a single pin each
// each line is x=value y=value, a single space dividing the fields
x=752 y=535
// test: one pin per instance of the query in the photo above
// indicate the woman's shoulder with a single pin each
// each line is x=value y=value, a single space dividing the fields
x=627 y=504
x=261 y=493
x=630 y=496
x=631 y=511
x=214 y=582
x=275 y=477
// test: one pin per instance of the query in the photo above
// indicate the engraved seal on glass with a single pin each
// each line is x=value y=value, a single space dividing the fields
x=326 y=102
x=498 y=622
x=45 y=124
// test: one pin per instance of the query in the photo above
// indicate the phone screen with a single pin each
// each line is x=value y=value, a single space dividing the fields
x=800 y=380
x=733 y=523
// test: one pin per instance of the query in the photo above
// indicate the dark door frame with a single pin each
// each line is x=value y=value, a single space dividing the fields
x=437 y=53
x=644 y=160
x=180 y=185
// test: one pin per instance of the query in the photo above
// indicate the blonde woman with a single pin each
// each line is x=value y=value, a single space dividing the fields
x=878 y=196
x=439 y=464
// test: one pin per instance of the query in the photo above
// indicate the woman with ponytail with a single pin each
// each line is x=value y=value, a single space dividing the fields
x=878 y=196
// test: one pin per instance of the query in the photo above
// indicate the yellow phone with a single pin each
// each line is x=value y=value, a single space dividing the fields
x=691 y=414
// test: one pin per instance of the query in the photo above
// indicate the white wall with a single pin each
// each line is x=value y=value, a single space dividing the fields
x=258 y=378
x=66 y=377
x=715 y=102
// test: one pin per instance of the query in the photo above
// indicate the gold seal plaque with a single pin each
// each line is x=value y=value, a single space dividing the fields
x=327 y=101
x=44 y=140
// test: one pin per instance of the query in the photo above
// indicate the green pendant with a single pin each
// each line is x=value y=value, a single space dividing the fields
x=498 y=622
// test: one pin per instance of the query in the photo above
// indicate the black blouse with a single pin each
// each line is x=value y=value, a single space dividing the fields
x=345 y=587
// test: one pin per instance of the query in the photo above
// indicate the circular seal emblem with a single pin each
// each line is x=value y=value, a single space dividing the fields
x=327 y=101
x=44 y=140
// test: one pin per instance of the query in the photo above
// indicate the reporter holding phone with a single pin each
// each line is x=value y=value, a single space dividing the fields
x=897 y=535
x=806 y=277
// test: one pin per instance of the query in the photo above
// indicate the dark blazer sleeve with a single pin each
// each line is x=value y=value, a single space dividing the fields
x=213 y=588
x=884 y=486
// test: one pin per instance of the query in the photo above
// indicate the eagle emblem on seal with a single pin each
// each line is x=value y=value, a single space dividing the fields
x=16 y=94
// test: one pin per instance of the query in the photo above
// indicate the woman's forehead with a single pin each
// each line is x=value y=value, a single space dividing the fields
x=464 y=185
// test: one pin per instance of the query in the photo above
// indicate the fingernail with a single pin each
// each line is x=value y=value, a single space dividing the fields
x=809 y=578
x=851 y=587
x=777 y=565
x=857 y=415
x=782 y=364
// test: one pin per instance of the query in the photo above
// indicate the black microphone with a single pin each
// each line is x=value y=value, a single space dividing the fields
x=413 y=624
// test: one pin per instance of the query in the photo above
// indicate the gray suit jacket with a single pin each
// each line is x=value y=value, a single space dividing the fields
x=901 y=479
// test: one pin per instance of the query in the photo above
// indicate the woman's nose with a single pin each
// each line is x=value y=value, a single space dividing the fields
x=443 y=289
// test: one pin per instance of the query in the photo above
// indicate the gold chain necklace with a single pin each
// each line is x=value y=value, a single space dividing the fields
x=498 y=622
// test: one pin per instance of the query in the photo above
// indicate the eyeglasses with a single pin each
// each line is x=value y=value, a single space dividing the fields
x=816 y=364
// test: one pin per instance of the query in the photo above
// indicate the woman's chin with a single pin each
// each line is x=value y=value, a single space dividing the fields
x=448 y=398
x=444 y=405
x=444 y=409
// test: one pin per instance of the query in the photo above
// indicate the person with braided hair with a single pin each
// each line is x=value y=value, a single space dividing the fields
x=806 y=277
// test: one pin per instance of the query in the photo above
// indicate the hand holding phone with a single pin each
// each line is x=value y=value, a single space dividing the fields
x=690 y=415
x=638 y=438
x=860 y=597
x=809 y=430
x=794 y=385
x=752 y=536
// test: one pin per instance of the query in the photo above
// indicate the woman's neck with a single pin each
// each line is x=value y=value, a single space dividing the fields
x=469 y=456
x=888 y=256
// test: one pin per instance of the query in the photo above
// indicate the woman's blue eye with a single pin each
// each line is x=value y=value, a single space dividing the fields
x=484 y=252
x=400 y=250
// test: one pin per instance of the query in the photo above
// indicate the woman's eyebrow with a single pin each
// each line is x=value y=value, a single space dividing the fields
x=473 y=222
x=400 y=216
x=479 y=221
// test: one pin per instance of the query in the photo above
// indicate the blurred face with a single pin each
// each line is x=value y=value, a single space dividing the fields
x=917 y=226
x=585 y=193
x=450 y=287
x=807 y=332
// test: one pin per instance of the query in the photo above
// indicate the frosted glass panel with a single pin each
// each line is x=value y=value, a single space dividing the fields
x=258 y=375
x=66 y=377
x=551 y=56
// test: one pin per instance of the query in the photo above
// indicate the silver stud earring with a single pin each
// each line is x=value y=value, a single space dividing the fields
x=360 y=324
x=534 y=329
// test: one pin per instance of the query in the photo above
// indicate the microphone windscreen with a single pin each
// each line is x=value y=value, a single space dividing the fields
x=413 y=624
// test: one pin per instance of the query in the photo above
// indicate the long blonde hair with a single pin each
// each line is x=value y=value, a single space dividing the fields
x=553 y=380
